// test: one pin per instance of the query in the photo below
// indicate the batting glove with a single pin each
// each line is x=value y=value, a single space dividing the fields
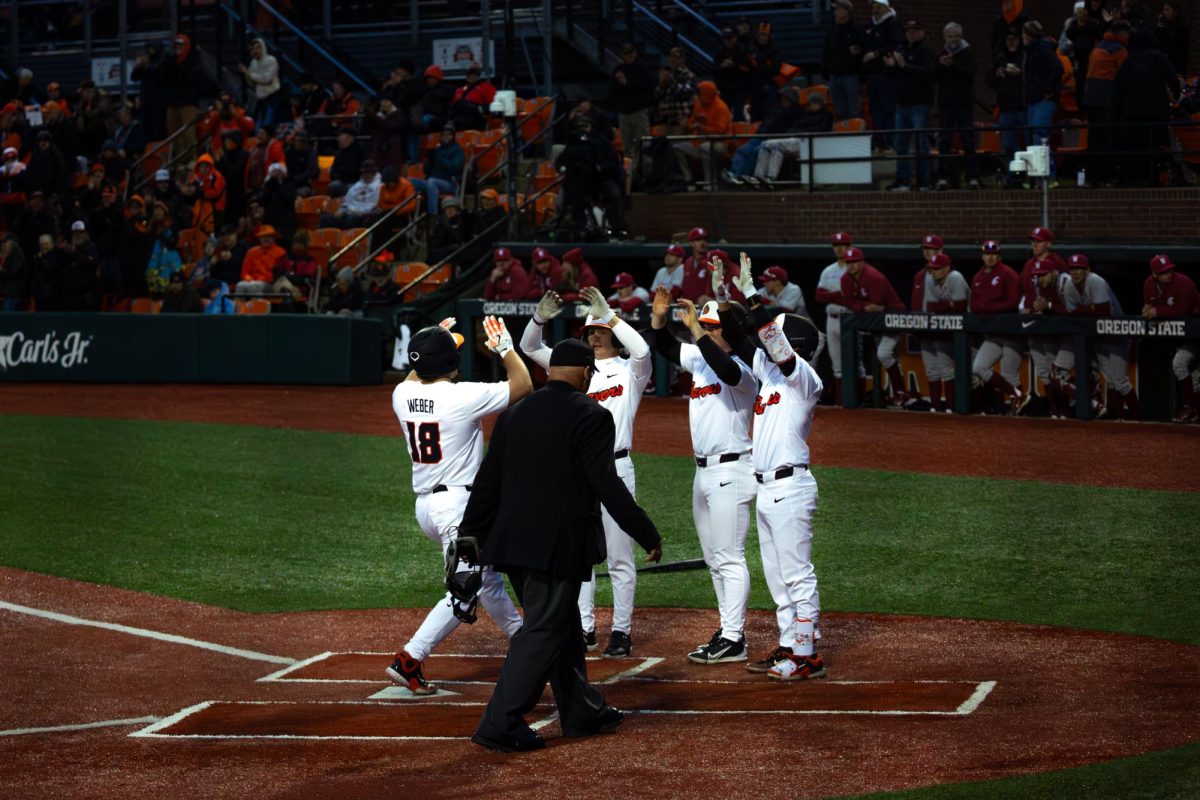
x=598 y=307
x=447 y=323
x=549 y=307
x=744 y=281
x=499 y=340
x=720 y=290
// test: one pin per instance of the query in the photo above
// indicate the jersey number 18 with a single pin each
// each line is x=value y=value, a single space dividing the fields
x=426 y=442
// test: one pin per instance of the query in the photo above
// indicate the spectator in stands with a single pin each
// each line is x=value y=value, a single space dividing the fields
x=112 y=163
x=1134 y=13
x=450 y=230
x=361 y=200
x=1042 y=73
x=129 y=134
x=912 y=69
x=264 y=151
x=783 y=119
x=433 y=109
x=147 y=71
x=382 y=294
x=546 y=275
x=48 y=169
x=1012 y=17
x=93 y=118
x=179 y=81
x=508 y=279
x=233 y=162
x=577 y=274
x=670 y=274
x=296 y=270
x=628 y=295
x=813 y=118
x=586 y=108
x=341 y=105
x=181 y=297
x=14 y=184
x=744 y=36
x=54 y=94
x=632 y=98
x=443 y=168
x=780 y=295
x=225 y=116
x=710 y=117
x=1146 y=87
x=469 y=105
x=954 y=74
x=45 y=278
x=346 y=298
x=1084 y=30
x=208 y=183
x=21 y=88
x=1100 y=100
x=765 y=63
x=1173 y=36
x=300 y=158
x=348 y=161
x=489 y=216
x=35 y=220
x=164 y=262
x=218 y=300
x=133 y=254
x=592 y=176
x=387 y=125
x=311 y=98
x=105 y=220
x=63 y=134
x=883 y=37
x=731 y=72
x=402 y=86
x=673 y=100
x=14 y=274
x=258 y=268
x=202 y=269
x=79 y=266
x=278 y=199
x=231 y=252
x=841 y=60
x=263 y=75
x=1009 y=84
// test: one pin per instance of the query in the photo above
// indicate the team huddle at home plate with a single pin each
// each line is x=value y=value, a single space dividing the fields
x=751 y=368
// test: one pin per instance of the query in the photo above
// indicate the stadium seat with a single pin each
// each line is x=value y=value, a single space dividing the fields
x=821 y=90
x=436 y=279
x=852 y=125
x=466 y=140
x=254 y=306
x=310 y=209
x=487 y=156
x=545 y=208
x=407 y=273
x=330 y=237
x=415 y=170
x=741 y=130
x=545 y=175
x=538 y=112
x=142 y=305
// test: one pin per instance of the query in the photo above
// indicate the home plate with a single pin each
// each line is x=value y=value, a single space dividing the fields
x=404 y=693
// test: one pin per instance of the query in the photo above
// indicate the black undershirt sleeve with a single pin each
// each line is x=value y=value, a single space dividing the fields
x=720 y=361
x=666 y=345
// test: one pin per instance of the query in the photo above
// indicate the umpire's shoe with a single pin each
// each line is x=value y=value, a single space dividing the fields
x=406 y=671
x=589 y=640
x=619 y=645
x=719 y=651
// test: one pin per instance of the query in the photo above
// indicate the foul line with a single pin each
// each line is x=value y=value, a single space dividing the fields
x=144 y=632
x=972 y=702
x=108 y=723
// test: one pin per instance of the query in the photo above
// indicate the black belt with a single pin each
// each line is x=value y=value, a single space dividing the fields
x=834 y=315
x=441 y=487
x=786 y=472
x=621 y=454
x=704 y=461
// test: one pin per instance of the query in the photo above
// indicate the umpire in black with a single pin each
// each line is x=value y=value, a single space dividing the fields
x=535 y=509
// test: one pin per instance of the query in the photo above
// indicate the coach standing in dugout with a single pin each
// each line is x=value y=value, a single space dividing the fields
x=535 y=510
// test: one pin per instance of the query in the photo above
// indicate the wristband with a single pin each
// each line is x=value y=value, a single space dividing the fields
x=775 y=343
x=538 y=320
x=751 y=292
x=607 y=318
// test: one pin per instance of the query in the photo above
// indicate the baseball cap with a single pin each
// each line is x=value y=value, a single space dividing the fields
x=939 y=261
x=991 y=246
x=1040 y=234
x=912 y=24
x=574 y=255
x=162 y=175
x=932 y=240
x=1161 y=263
x=540 y=254
x=773 y=273
x=501 y=254
x=78 y=225
x=710 y=313
x=265 y=230
x=572 y=353
x=623 y=279
x=841 y=237
x=675 y=250
x=491 y=194
x=1079 y=260
x=433 y=351
x=697 y=233
x=1042 y=266
x=852 y=255
x=594 y=322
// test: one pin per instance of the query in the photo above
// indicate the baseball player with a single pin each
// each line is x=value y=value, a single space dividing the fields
x=996 y=289
x=944 y=291
x=670 y=274
x=829 y=291
x=1168 y=294
x=1041 y=243
x=1040 y=296
x=865 y=288
x=617 y=385
x=779 y=295
x=441 y=424
x=719 y=414
x=1088 y=294
x=697 y=282
x=787 y=491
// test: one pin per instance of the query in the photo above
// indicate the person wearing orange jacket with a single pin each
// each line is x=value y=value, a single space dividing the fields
x=209 y=210
x=258 y=267
x=224 y=116
x=710 y=117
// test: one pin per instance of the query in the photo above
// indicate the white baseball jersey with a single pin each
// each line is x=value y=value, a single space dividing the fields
x=441 y=424
x=783 y=413
x=831 y=281
x=719 y=414
x=953 y=289
x=1094 y=292
x=790 y=299
x=670 y=277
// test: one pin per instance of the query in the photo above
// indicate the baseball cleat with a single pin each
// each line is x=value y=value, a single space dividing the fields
x=589 y=640
x=1186 y=415
x=1018 y=403
x=721 y=651
x=798 y=668
x=765 y=665
x=700 y=653
x=619 y=645
x=406 y=671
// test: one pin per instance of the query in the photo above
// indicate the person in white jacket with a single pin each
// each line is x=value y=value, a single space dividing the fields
x=263 y=75
x=617 y=385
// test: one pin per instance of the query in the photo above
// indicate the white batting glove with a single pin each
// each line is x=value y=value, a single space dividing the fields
x=720 y=290
x=549 y=307
x=598 y=306
x=447 y=323
x=499 y=340
x=744 y=281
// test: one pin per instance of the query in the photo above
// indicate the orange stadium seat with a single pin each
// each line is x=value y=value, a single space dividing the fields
x=309 y=210
x=254 y=306
x=852 y=125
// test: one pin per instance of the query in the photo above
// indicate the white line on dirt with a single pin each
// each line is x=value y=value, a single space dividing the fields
x=972 y=702
x=646 y=664
x=167 y=722
x=146 y=633
x=83 y=726
x=276 y=676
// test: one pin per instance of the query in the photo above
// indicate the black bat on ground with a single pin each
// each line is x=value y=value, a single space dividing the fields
x=670 y=566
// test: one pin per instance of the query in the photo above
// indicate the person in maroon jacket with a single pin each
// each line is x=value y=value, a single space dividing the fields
x=697 y=282
x=546 y=275
x=508 y=279
x=1041 y=296
x=931 y=245
x=1168 y=294
x=996 y=289
x=865 y=289
x=1041 y=242
x=628 y=294
x=577 y=275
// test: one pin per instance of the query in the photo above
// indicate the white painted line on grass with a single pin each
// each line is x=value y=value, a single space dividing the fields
x=108 y=723
x=823 y=681
x=800 y=711
x=972 y=702
x=646 y=664
x=146 y=633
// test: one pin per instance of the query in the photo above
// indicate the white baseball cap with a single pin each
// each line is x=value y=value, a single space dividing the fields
x=78 y=225
x=709 y=315
x=594 y=322
x=162 y=175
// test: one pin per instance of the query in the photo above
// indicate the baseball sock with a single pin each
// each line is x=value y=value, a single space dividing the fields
x=837 y=391
x=948 y=393
x=1130 y=409
x=1187 y=394
x=999 y=384
x=895 y=381
x=804 y=637
x=935 y=394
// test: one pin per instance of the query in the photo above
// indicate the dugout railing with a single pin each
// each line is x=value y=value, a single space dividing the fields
x=966 y=329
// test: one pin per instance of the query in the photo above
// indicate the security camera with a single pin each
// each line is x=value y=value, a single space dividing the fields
x=1035 y=161
x=504 y=104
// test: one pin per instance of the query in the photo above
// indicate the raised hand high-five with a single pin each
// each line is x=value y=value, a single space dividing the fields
x=448 y=323
x=597 y=305
x=499 y=340
x=744 y=281
x=549 y=307
x=720 y=290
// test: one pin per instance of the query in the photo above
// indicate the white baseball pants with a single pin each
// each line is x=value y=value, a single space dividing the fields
x=937 y=354
x=1042 y=351
x=721 y=497
x=1003 y=349
x=439 y=514
x=886 y=351
x=1113 y=361
x=621 y=568
x=833 y=341
x=784 y=510
x=1181 y=365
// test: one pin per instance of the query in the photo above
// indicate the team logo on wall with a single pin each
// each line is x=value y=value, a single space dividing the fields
x=48 y=350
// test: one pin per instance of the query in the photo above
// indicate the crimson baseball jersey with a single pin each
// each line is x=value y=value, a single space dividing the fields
x=869 y=287
x=719 y=414
x=1054 y=258
x=995 y=291
x=1176 y=298
x=783 y=413
x=697 y=281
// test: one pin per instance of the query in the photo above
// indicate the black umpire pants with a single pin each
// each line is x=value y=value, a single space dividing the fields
x=548 y=647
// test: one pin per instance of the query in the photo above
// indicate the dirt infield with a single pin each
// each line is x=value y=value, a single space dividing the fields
x=1135 y=455
x=909 y=702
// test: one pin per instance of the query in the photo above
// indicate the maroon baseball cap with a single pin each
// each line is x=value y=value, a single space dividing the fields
x=991 y=246
x=853 y=254
x=841 y=237
x=540 y=254
x=675 y=250
x=1040 y=234
x=774 y=273
x=1042 y=266
x=501 y=254
x=574 y=255
x=623 y=279
x=1161 y=263
x=1079 y=260
x=697 y=233
x=932 y=240
x=939 y=261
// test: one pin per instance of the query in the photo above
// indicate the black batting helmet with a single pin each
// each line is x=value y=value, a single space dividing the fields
x=433 y=352
x=801 y=334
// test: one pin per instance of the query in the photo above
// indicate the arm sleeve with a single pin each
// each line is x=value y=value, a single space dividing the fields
x=592 y=442
x=728 y=371
x=534 y=346
x=667 y=346
x=640 y=363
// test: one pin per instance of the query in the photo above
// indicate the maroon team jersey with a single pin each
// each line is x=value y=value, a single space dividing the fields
x=1053 y=257
x=870 y=287
x=1178 y=298
x=995 y=292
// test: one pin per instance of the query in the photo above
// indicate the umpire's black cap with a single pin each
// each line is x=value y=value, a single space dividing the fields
x=572 y=353
x=433 y=352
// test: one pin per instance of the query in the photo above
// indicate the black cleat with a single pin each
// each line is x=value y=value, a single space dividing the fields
x=589 y=640
x=619 y=645
x=721 y=651
x=779 y=655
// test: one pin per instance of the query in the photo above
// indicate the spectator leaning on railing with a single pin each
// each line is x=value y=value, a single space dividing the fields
x=841 y=60
x=632 y=98
x=954 y=74
x=1100 y=101
x=1042 y=73
x=765 y=64
x=883 y=36
x=814 y=117
x=912 y=69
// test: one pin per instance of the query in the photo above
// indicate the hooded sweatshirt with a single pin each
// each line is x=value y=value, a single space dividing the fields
x=710 y=115
x=1107 y=57
x=883 y=36
x=264 y=73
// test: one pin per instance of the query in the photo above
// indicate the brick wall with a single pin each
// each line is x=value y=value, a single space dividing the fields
x=1150 y=216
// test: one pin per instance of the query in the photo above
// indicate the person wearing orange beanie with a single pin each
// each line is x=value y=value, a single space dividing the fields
x=710 y=116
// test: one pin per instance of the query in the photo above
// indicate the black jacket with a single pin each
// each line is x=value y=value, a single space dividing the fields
x=14 y=274
x=637 y=93
x=1143 y=80
x=1010 y=89
x=956 y=82
x=881 y=38
x=1042 y=72
x=1001 y=27
x=914 y=81
x=347 y=164
x=732 y=80
x=836 y=58
x=536 y=499
x=436 y=103
x=1175 y=41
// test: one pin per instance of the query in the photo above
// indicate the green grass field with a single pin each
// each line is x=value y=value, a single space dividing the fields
x=274 y=520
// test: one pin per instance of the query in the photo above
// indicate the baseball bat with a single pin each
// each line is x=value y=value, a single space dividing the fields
x=670 y=566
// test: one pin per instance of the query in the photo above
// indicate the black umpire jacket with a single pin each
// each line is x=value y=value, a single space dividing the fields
x=536 y=499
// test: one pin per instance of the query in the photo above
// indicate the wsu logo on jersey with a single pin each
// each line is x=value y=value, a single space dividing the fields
x=996 y=281
x=760 y=407
x=705 y=391
x=607 y=394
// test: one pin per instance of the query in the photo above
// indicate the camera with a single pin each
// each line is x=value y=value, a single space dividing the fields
x=504 y=104
x=1035 y=161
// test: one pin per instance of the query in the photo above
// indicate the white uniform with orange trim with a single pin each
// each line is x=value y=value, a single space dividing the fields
x=617 y=386
x=441 y=422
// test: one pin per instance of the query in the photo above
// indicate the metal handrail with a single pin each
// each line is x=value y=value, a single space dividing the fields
x=304 y=37
x=695 y=48
x=391 y=212
x=165 y=142
x=504 y=164
x=417 y=220
x=503 y=140
x=178 y=158
x=699 y=17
